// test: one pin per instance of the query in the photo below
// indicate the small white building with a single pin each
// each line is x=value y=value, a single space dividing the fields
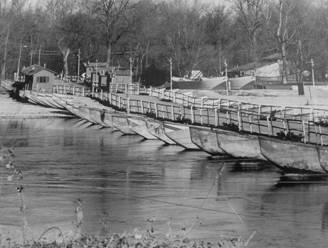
x=38 y=78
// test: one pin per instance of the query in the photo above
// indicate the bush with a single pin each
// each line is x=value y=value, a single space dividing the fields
x=290 y=136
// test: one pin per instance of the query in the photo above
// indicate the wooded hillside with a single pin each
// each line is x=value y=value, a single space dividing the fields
x=194 y=35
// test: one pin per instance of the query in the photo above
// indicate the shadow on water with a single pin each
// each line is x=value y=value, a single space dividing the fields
x=296 y=197
x=243 y=165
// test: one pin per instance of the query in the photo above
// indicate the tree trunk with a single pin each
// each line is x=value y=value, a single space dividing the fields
x=65 y=60
x=284 y=74
x=3 y=72
x=300 y=66
x=220 y=57
x=109 y=54
x=147 y=52
x=254 y=48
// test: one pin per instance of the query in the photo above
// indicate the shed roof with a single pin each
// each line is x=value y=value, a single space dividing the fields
x=271 y=59
x=249 y=66
x=33 y=69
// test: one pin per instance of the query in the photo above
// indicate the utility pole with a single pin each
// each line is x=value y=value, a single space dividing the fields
x=226 y=74
x=131 y=65
x=31 y=50
x=31 y=57
x=171 y=83
x=39 y=62
x=19 y=58
x=78 y=65
x=312 y=68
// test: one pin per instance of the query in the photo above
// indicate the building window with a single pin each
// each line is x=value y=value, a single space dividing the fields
x=42 y=79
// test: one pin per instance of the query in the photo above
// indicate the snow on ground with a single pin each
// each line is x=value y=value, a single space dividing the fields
x=314 y=96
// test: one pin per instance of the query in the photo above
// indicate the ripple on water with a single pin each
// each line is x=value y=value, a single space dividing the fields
x=123 y=180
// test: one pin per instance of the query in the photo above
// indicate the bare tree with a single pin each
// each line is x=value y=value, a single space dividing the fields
x=253 y=15
x=185 y=31
x=58 y=11
x=114 y=22
x=9 y=12
x=284 y=37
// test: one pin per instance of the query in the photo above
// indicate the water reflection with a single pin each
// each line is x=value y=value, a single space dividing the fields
x=124 y=180
x=299 y=208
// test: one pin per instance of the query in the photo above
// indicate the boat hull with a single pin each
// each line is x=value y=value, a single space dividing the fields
x=108 y=118
x=120 y=122
x=206 y=140
x=156 y=128
x=98 y=116
x=180 y=134
x=295 y=157
x=239 y=145
x=139 y=126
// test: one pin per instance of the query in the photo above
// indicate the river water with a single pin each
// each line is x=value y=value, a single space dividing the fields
x=125 y=182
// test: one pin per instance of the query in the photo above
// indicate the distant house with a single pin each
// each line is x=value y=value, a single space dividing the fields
x=95 y=67
x=267 y=72
x=270 y=66
x=121 y=76
x=38 y=78
x=99 y=72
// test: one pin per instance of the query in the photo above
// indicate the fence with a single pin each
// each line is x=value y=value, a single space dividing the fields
x=235 y=119
x=300 y=113
x=293 y=123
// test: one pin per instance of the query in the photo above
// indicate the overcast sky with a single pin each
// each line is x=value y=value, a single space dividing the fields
x=212 y=2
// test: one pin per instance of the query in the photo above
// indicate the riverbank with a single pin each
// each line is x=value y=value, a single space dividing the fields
x=12 y=109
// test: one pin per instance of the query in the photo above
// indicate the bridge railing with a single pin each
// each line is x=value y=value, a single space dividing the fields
x=227 y=118
x=186 y=100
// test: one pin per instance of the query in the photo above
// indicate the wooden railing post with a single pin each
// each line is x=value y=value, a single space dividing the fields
x=172 y=112
x=240 y=121
x=192 y=114
x=216 y=117
x=162 y=110
x=269 y=123
x=174 y=96
x=110 y=98
x=285 y=127
x=308 y=130
x=201 y=116
x=320 y=133
x=101 y=94
x=304 y=132
x=250 y=119
x=128 y=105
x=119 y=101
x=259 y=110
x=156 y=110
x=142 y=107
x=316 y=134
x=312 y=114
